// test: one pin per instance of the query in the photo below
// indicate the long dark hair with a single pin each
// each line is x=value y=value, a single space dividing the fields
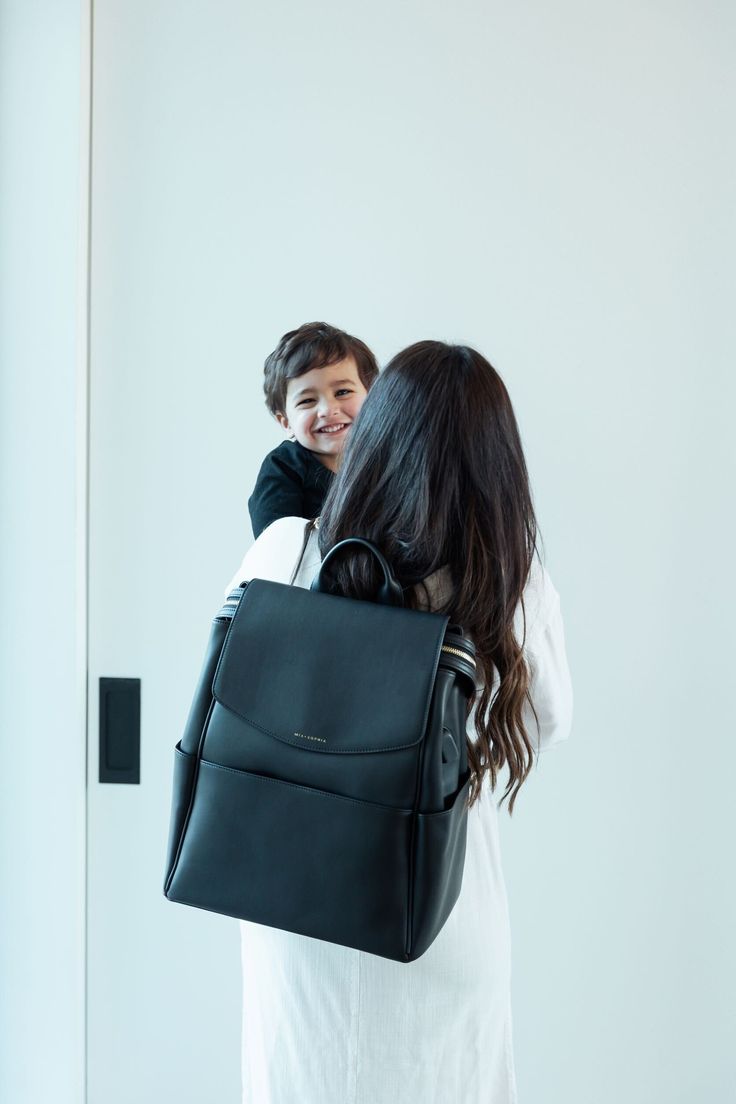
x=434 y=474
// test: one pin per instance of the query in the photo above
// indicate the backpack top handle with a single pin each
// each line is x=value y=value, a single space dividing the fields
x=389 y=592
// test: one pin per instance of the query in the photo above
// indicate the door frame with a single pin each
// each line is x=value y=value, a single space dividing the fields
x=82 y=481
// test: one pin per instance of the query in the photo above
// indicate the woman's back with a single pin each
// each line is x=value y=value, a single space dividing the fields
x=323 y=1024
x=433 y=473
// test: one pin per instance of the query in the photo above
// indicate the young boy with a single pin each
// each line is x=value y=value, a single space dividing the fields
x=315 y=382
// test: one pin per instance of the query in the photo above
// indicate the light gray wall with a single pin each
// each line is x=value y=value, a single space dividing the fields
x=41 y=692
x=550 y=183
x=553 y=184
x=617 y=860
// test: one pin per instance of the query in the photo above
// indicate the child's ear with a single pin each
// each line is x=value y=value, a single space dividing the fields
x=283 y=421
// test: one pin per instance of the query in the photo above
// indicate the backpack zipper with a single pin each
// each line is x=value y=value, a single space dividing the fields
x=459 y=652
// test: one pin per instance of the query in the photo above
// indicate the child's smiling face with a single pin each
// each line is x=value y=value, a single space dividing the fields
x=321 y=405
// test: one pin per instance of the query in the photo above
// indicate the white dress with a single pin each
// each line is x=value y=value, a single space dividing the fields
x=324 y=1024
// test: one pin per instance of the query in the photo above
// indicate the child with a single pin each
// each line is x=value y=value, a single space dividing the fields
x=315 y=382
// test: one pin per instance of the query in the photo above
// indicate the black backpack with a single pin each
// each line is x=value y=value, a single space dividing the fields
x=321 y=784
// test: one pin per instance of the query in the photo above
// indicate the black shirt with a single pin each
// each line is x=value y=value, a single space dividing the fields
x=291 y=483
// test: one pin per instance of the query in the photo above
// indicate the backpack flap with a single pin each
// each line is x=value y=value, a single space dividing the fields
x=325 y=691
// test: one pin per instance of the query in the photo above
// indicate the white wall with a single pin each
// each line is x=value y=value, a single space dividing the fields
x=41 y=681
x=551 y=183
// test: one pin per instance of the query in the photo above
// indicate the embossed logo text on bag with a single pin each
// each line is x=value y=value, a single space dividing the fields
x=317 y=739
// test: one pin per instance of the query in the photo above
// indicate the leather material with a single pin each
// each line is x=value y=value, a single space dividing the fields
x=445 y=761
x=321 y=782
x=387 y=779
x=389 y=592
x=297 y=845
x=440 y=846
x=182 y=788
x=357 y=677
x=202 y=701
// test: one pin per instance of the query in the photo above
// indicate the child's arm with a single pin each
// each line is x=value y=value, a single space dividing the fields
x=279 y=490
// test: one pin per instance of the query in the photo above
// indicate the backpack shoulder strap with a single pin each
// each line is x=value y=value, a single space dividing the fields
x=311 y=525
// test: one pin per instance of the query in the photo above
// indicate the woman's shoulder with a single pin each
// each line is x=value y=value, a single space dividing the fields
x=273 y=554
x=284 y=529
x=539 y=602
x=539 y=597
x=281 y=541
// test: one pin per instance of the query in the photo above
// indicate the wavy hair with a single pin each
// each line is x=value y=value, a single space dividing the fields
x=433 y=473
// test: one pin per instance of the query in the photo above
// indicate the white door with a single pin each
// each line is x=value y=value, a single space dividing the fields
x=163 y=989
x=170 y=382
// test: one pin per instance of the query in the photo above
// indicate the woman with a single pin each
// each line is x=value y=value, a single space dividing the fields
x=434 y=474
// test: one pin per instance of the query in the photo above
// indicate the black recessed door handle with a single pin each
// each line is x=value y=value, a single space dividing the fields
x=120 y=730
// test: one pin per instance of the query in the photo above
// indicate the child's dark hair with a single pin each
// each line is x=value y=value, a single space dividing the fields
x=313 y=345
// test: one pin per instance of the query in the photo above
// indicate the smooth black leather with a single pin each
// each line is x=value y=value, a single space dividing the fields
x=389 y=592
x=321 y=782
